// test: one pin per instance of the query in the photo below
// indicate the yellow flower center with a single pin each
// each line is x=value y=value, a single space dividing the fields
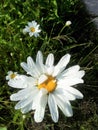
x=13 y=76
x=49 y=84
x=32 y=29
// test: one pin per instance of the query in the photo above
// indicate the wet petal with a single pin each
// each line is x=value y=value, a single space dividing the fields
x=22 y=94
x=64 y=105
x=50 y=70
x=32 y=66
x=25 y=66
x=75 y=92
x=72 y=72
x=42 y=78
x=68 y=81
x=24 y=102
x=19 y=82
x=50 y=60
x=61 y=64
x=41 y=105
x=53 y=108
x=66 y=94
x=39 y=62
x=27 y=108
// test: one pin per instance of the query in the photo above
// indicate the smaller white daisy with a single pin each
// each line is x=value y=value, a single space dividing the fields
x=32 y=29
x=11 y=75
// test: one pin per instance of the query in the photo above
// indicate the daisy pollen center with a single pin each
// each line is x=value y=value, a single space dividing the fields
x=50 y=84
x=32 y=29
x=13 y=76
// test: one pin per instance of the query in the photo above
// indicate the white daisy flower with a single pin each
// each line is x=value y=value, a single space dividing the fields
x=47 y=84
x=32 y=29
x=11 y=75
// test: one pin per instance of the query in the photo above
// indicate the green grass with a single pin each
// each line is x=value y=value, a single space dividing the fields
x=80 y=40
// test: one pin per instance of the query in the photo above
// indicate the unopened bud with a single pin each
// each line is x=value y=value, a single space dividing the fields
x=68 y=23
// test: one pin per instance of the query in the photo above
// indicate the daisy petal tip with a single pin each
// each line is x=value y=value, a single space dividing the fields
x=79 y=95
x=16 y=108
x=24 y=31
x=9 y=83
x=82 y=96
x=29 y=58
x=68 y=56
x=38 y=120
x=39 y=52
x=70 y=114
x=11 y=97
x=83 y=72
x=21 y=64
x=55 y=120
x=82 y=81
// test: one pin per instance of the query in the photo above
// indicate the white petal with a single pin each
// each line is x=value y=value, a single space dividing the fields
x=75 y=92
x=39 y=61
x=38 y=30
x=81 y=74
x=10 y=72
x=24 y=102
x=36 y=34
x=19 y=82
x=64 y=60
x=34 y=23
x=69 y=81
x=50 y=60
x=53 y=108
x=22 y=81
x=42 y=78
x=24 y=66
x=7 y=77
x=61 y=64
x=31 y=34
x=37 y=26
x=49 y=70
x=39 y=57
x=30 y=23
x=70 y=71
x=34 y=105
x=31 y=81
x=64 y=105
x=66 y=94
x=37 y=97
x=41 y=105
x=25 y=30
x=78 y=74
x=27 y=108
x=22 y=94
x=32 y=67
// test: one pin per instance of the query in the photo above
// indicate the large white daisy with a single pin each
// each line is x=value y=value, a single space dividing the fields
x=47 y=84
x=32 y=29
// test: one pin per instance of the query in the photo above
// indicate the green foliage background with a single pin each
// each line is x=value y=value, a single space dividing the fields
x=80 y=40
